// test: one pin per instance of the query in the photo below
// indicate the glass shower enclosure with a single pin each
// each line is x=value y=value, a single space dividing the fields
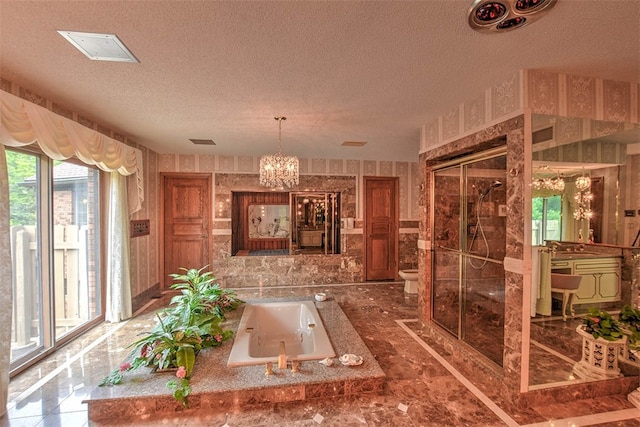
x=469 y=242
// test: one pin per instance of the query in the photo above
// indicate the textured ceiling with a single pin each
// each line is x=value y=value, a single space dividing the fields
x=340 y=71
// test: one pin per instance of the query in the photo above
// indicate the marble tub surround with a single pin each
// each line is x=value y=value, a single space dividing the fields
x=216 y=387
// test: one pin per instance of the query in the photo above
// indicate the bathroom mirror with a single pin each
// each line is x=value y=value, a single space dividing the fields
x=315 y=228
x=583 y=191
x=579 y=184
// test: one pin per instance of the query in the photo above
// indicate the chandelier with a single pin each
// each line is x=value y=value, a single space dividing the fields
x=583 y=198
x=553 y=183
x=583 y=182
x=276 y=170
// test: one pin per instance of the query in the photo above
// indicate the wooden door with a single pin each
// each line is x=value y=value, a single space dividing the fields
x=186 y=217
x=381 y=228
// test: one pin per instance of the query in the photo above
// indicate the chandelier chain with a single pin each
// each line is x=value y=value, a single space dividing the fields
x=280 y=119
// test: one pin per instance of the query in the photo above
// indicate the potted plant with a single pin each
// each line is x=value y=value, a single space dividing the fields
x=602 y=341
x=629 y=319
x=189 y=324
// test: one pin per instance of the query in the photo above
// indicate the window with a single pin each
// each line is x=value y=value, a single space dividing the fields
x=546 y=215
x=54 y=210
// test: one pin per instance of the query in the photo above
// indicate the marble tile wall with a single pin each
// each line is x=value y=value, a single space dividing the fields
x=510 y=133
x=316 y=174
x=495 y=117
x=265 y=271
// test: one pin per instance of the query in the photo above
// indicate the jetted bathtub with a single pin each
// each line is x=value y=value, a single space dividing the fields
x=264 y=327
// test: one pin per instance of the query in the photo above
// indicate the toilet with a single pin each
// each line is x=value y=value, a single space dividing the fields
x=410 y=280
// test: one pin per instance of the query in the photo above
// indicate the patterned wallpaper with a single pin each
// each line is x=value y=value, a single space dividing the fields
x=407 y=172
x=542 y=92
x=145 y=256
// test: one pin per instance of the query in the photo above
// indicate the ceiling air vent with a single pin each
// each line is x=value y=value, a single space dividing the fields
x=543 y=135
x=202 y=141
x=99 y=47
x=353 y=143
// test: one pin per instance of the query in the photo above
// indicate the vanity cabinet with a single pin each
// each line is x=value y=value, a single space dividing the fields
x=600 y=278
x=311 y=238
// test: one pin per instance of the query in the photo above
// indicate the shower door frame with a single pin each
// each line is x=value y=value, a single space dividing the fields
x=462 y=252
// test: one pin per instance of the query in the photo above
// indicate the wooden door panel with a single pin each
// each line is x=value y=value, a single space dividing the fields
x=187 y=254
x=379 y=259
x=186 y=216
x=186 y=200
x=381 y=228
x=194 y=229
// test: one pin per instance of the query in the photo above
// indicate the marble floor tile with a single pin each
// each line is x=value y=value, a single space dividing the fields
x=419 y=390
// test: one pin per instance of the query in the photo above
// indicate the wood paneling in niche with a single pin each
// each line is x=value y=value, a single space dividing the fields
x=239 y=221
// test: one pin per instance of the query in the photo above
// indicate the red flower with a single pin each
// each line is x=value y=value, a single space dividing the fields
x=125 y=366
x=181 y=372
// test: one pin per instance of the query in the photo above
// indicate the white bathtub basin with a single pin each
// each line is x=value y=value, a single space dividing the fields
x=264 y=326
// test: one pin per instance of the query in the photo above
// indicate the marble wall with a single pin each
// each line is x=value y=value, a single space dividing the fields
x=500 y=116
x=511 y=134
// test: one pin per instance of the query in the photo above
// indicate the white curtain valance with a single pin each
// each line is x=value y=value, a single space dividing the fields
x=25 y=123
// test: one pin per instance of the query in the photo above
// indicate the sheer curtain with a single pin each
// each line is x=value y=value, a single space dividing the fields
x=118 y=298
x=25 y=123
x=6 y=291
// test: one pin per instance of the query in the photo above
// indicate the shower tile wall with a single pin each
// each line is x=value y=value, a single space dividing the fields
x=512 y=303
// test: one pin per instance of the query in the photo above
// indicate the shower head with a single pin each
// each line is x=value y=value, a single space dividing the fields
x=495 y=184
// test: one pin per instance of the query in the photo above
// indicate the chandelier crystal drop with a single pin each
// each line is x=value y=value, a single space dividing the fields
x=276 y=170
x=583 y=182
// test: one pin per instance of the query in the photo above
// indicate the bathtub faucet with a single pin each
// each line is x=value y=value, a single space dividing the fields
x=282 y=361
x=282 y=357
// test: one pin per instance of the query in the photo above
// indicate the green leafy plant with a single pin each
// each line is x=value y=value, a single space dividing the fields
x=629 y=318
x=600 y=324
x=200 y=296
x=189 y=324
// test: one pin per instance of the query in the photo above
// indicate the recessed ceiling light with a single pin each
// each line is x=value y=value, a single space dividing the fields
x=353 y=143
x=202 y=141
x=99 y=47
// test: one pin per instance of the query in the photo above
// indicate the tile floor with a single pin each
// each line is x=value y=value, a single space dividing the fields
x=422 y=389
